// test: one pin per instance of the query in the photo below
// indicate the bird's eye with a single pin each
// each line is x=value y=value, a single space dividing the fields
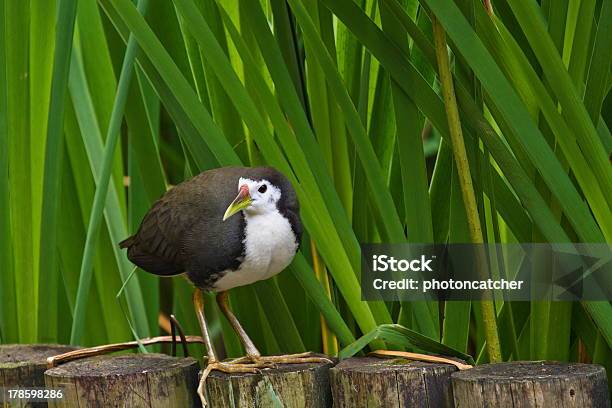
x=262 y=189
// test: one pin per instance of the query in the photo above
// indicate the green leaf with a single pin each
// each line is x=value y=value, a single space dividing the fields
x=401 y=336
x=8 y=310
x=413 y=84
x=49 y=279
x=517 y=117
x=107 y=278
x=16 y=26
x=408 y=128
x=381 y=197
x=517 y=68
x=103 y=182
x=92 y=139
x=179 y=97
x=579 y=121
x=598 y=74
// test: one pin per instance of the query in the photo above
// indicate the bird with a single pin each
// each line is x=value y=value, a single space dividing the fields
x=224 y=228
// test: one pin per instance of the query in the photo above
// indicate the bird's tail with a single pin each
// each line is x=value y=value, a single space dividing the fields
x=126 y=243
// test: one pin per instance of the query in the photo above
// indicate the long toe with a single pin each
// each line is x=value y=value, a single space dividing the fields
x=226 y=367
x=300 y=358
x=233 y=367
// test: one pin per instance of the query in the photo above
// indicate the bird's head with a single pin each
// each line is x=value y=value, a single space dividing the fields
x=254 y=197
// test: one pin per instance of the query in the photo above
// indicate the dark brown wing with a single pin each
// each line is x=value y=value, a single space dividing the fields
x=155 y=247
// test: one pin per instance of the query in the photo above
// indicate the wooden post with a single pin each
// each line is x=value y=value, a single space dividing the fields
x=132 y=380
x=24 y=365
x=375 y=382
x=287 y=386
x=532 y=384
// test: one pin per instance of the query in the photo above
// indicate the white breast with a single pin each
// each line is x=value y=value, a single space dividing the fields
x=269 y=248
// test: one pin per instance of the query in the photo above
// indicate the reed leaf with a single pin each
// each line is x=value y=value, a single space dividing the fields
x=103 y=184
x=8 y=323
x=92 y=140
x=16 y=26
x=54 y=150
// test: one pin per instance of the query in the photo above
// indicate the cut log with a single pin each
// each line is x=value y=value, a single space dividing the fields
x=532 y=384
x=375 y=382
x=287 y=385
x=24 y=365
x=133 y=380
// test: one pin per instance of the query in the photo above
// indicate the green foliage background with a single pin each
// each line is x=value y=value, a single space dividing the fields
x=342 y=96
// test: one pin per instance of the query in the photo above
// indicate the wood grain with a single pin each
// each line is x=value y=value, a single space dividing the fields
x=133 y=380
x=24 y=365
x=532 y=384
x=375 y=382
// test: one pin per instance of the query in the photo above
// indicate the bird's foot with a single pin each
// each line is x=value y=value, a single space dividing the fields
x=254 y=363
x=272 y=361
x=239 y=365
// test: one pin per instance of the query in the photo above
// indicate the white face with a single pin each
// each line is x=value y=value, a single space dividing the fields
x=264 y=194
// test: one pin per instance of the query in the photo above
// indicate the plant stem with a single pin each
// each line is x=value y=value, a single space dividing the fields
x=465 y=178
x=330 y=342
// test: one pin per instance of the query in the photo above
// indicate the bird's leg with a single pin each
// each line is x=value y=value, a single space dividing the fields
x=223 y=302
x=252 y=354
x=213 y=363
x=198 y=303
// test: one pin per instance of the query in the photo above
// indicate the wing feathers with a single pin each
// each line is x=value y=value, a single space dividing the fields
x=151 y=247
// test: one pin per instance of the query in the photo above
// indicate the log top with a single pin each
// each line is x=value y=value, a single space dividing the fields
x=119 y=365
x=30 y=354
x=528 y=371
x=375 y=364
x=127 y=380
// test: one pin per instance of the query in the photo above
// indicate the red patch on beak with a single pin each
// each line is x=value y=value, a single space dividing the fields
x=243 y=192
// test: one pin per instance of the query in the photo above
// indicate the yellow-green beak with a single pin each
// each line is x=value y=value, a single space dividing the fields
x=242 y=201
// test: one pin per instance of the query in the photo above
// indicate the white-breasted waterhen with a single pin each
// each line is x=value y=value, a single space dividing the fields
x=221 y=240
